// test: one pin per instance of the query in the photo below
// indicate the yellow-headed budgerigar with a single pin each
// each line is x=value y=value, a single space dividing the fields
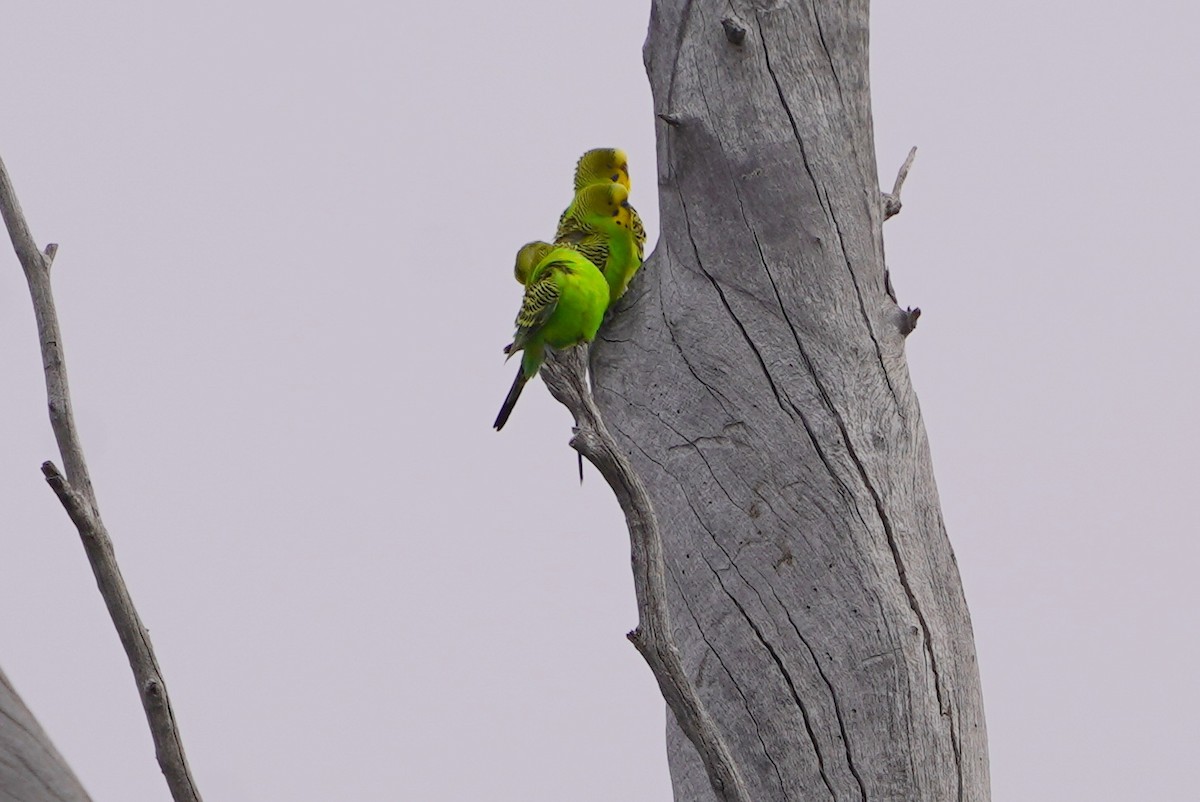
x=604 y=166
x=599 y=224
x=601 y=165
x=565 y=299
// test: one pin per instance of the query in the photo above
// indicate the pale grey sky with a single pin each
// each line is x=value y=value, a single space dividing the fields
x=286 y=239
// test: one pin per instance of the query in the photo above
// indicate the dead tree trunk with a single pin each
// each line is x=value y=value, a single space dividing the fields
x=756 y=375
x=31 y=769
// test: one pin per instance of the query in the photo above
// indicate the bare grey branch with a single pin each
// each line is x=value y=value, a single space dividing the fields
x=908 y=319
x=565 y=374
x=75 y=492
x=891 y=200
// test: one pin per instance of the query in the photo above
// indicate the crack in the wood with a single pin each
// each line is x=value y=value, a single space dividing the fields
x=787 y=678
x=686 y=442
x=956 y=745
x=869 y=180
x=685 y=16
x=886 y=522
x=798 y=413
x=850 y=449
x=841 y=427
x=843 y=489
x=783 y=100
x=30 y=771
x=864 y=661
x=611 y=340
x=909 y=752
x=812 y=653
x=853 y=454
x=725 y=302
x=823 y=198
x=778 y=660
x=862 y=307
x=837 y=708
x=828 y=54
x=687 y=363
x=20 y=725
x=944 y=706
x=849 y=496
x=861 y=468
x=646 y=454
x=733 y=681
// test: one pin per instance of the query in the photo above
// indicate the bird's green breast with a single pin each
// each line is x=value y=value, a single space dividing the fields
x=583 y=299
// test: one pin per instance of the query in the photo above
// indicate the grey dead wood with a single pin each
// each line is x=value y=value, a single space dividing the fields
x=565 y=375
x=891 y=200
x=75 y=493
x=31 y=769
x=754 y=377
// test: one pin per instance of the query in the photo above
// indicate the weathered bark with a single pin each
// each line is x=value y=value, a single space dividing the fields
x=756 y=375
x=31 y=769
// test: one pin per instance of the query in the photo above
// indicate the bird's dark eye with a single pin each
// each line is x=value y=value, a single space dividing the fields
x=615 y=177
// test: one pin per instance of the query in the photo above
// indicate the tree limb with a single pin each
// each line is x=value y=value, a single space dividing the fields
x=78 y=497
x=908 y=319
x=891 y=200
x=565 y=375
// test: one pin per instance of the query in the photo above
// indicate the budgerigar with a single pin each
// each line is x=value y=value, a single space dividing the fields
x=597 y=166
x=599 y=224
x=565 y=299
x=529 y=256
x=601 y=165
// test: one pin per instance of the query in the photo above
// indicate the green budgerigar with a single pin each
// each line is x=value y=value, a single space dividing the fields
x=599 y=224
x=597 y=166
x=601 y=165
x=528 y=257
x=618 y=253
x=565 y=299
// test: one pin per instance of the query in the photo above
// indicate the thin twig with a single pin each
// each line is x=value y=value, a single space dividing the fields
x=891 y=200
x=79 y=499
x=565 y=374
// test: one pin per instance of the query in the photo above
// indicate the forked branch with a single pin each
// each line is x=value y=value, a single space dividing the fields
x=565 y=374
x=74 y=491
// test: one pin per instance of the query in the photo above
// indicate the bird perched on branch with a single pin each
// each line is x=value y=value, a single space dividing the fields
x=603 y=166
x=599 y=164
x=599 y=223
x=566 y=296
x=528 y=257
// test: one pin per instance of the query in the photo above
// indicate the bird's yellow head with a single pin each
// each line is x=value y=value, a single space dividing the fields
x=602 y=166
x=530 y=255
x=605 y=205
